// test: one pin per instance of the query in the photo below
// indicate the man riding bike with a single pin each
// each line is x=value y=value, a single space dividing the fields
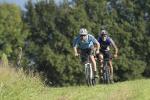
x=84 y=45
x=105 y=42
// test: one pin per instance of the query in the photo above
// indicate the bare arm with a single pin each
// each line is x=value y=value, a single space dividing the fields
x=75 y=51
x=115 y=47
x=75 y=46
x=97 y=46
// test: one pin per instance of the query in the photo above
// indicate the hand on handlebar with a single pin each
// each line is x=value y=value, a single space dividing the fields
x=115 y=55
x=76 y=54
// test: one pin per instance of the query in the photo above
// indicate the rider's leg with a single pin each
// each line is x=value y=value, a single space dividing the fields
x=101 y=65
x=93 y=62
x=94 y=65
x=111 y=69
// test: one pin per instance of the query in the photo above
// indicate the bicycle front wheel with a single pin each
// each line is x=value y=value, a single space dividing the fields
x=106 y=73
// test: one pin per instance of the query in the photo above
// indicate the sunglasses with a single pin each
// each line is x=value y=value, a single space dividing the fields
x=104 y=35
x=82 y=35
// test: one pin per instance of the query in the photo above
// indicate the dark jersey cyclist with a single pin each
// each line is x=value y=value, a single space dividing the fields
x=105 y=43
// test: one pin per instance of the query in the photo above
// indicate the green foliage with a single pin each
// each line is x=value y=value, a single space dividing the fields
x=12 y=29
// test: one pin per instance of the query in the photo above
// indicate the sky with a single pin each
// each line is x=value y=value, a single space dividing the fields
x=21 y=3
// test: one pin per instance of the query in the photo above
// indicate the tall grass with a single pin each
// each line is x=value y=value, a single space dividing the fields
x=15 y=85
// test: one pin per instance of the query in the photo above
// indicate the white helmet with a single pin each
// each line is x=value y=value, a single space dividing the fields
x=83 y=31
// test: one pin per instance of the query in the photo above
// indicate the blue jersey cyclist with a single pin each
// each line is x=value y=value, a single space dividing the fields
x=105 y=43
x=85 y=44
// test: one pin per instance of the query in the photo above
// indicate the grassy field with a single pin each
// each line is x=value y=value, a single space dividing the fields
x=18 y=86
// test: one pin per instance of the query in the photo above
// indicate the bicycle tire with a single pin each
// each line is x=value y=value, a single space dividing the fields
x=90 y=81
x=106 y=73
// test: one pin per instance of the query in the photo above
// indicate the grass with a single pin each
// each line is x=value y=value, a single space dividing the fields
x=18 y=86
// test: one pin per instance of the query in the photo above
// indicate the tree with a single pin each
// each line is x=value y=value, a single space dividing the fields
x=13 y=31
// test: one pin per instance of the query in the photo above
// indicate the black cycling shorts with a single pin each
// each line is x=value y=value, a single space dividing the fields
x=106 y=54
x=85 y=53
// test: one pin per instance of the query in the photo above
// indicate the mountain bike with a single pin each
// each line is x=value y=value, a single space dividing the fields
x=106 y=71
x=89 y=76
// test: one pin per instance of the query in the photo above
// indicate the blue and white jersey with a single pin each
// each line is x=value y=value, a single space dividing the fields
x=84 y=44
x=104 y=45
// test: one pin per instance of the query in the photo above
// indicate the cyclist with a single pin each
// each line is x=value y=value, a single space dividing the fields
x=105 y=42
x=84 y=45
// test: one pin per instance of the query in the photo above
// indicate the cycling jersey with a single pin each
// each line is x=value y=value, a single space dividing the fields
x=104 y=45
x=84 y=44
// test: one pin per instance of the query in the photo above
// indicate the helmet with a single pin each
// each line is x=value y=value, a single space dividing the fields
x=104 y=32
x=83 y=31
